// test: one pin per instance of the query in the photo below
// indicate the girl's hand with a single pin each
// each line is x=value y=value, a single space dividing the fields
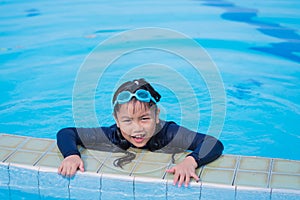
x=70 y=165
x=184 y=171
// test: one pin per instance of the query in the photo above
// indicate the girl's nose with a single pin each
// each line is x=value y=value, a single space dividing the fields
x=137 y=127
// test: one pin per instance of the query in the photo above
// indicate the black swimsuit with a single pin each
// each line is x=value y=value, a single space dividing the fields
x=169 y=138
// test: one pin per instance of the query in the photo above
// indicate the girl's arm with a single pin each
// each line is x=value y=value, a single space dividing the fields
x=204 y=149
x=69 y=138
x=67 y=141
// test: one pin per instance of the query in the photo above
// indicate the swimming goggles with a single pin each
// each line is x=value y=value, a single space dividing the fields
x=141 y=95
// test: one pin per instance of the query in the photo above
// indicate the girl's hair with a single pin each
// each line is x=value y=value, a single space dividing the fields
x=132 y=86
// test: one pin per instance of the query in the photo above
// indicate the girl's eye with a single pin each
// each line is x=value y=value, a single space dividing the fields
x=145 y=118
x=126 y=120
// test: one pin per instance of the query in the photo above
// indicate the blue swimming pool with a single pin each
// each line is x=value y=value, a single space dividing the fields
x=255 y=46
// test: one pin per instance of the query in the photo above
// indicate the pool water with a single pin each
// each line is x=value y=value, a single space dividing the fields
x=254 y=45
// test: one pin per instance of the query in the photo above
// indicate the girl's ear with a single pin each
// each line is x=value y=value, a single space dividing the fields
x=157 y=115
x=116 y=120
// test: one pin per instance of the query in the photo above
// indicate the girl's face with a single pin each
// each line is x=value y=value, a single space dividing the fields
x=137 y=122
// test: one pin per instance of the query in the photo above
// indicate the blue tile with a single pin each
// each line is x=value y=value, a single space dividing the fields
x=116 y=186
x=183 y=193
x=85 y=181
x=50 y=179
x=142 y=189
x=211 y=191
x=4 y=174
x=20 y=176
x=283 y=194
x=53 y=185
x=253 y=193
x=84 y=194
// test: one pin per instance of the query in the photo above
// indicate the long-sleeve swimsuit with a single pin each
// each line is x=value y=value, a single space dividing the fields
x=169 y=138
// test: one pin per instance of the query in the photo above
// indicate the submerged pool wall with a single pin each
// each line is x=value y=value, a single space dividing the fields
x=30 y=165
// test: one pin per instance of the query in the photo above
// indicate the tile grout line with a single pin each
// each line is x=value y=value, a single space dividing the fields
x=237 y=165
x=39 y=186
x=103 y=162
x=133 y=187
x=235 y=192
x=136 y=163
x=16 y=149
x=270 y=173
x=166 y=188
x=44 y=154
x=169 y=164
x=200 y=190
x=8 y=185
x=100 y=189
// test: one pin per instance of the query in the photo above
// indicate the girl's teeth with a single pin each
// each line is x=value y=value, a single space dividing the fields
x=138 y=136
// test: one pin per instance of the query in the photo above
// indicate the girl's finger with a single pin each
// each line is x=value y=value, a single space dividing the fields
x=181 y=180
x=194 y=175
x=176 y=176
x=187 y=180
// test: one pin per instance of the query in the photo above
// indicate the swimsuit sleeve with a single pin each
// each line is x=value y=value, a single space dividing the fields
x=91 y=138
x=67 y=140
x=205 y=148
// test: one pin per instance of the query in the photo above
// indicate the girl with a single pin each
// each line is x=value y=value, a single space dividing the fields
x=138 y=125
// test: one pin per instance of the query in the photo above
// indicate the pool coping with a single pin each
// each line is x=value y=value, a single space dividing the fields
x=231 y=175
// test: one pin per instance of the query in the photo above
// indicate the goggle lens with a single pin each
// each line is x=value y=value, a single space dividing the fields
x=141 y=95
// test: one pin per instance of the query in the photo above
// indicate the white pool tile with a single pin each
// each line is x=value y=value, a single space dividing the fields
x=4 y=153
x=11 y=141
x=255 y=164
x=286 y=166
x=24 y=157
x=37 y=144
x=154 y=157
x=50 y=160
x=227 y=162
x=101 y=155
x=91 y=164
x=217 y=176
x=286 y=181
x=146 y=169
x=254 y=179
